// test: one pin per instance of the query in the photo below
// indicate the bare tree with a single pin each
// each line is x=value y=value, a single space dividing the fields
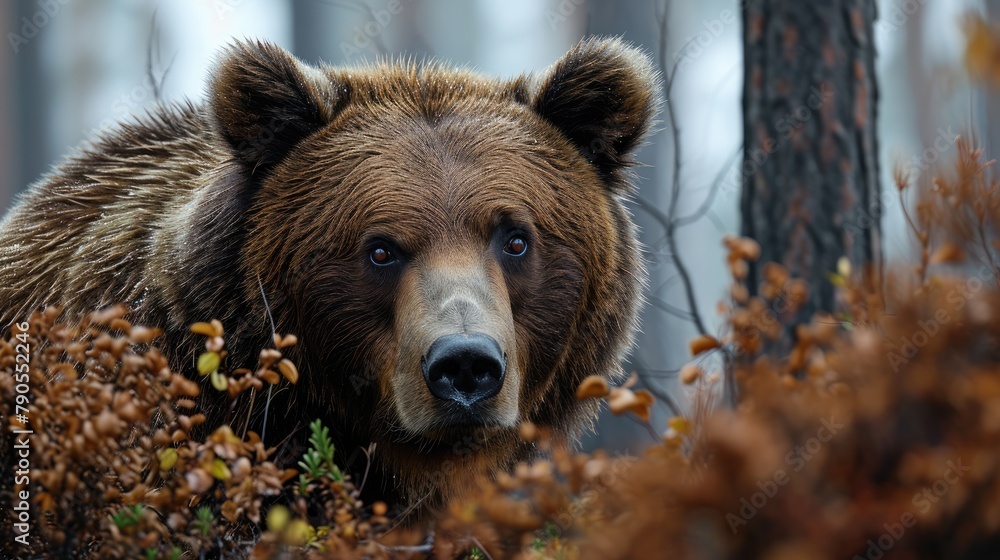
x=811 y=173
x=991 y=97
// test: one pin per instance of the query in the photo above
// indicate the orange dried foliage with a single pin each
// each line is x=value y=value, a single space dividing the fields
x=879 y=428
x=982 y=52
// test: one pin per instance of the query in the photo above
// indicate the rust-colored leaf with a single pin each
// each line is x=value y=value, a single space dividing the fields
x=703 y=343
x=680 y=424
x=591 y=387
x=947 y=253
x=690 y=373
x=205 y=329
x=288 y=370
x=230 y=511
x=639 y=402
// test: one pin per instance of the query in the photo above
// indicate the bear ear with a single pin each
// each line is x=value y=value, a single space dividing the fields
x=263 y=101
x=603 y=95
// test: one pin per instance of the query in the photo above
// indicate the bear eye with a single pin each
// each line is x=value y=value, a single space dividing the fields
x=516 y=246
x=381 y=256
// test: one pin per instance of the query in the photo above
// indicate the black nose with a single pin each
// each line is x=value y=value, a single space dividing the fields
x=464 y=368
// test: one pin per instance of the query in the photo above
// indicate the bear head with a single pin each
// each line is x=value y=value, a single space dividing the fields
x=452 y=250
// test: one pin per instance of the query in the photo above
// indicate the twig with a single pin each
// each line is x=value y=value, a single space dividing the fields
x=368 y=455
x=154 y=44
x=481 y=548
x=678 y=263
x=669 y=221
x=667 y=399
x=653 y=373
x=154 y=41
x=426 y=548
x=706 y=205
x=981 y=228
x=406 y=512
x=729 y=377
x=645 y=424
x=669 y=309
x=716 y=220
x=274 y=334
x=922 y=237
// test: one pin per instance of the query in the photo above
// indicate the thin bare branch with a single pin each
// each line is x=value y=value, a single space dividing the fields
x=669 y=309
x=274 y=334
x=153 y=60
x=668 y=220
x=682 y=271
x=663 y=397
x=153 y=45
x=713 y=191
x=368 y=457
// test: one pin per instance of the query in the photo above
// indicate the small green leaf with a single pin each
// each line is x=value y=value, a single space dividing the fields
x=204 y=520
x=209 y=362
x=168 y=458
x=220 y=471
x=219 y=381
x=127 y=516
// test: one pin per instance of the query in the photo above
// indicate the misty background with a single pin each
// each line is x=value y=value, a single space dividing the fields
x=70 y=68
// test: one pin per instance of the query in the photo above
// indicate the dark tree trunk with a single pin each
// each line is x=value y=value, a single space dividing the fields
x=990 y=115
x=810 y=170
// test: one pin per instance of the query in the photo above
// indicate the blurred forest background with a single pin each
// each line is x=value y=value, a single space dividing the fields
x=84 y=64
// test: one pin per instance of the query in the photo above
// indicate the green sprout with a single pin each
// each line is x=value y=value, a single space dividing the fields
x=127 y=516
x=317 y=462
x=204 y=521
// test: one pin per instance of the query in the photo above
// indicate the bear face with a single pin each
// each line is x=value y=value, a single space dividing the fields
x=451 y=250
x=455 y=245
x=457 y=224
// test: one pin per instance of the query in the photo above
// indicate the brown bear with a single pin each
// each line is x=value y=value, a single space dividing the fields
x=451 y=250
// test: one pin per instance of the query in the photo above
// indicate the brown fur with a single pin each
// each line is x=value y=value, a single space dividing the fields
x=283 y=178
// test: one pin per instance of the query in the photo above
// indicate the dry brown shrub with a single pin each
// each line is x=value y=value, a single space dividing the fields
x=877 y=434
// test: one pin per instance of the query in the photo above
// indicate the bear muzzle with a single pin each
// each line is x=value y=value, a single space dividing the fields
x=457 y=370
x=464 y=368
